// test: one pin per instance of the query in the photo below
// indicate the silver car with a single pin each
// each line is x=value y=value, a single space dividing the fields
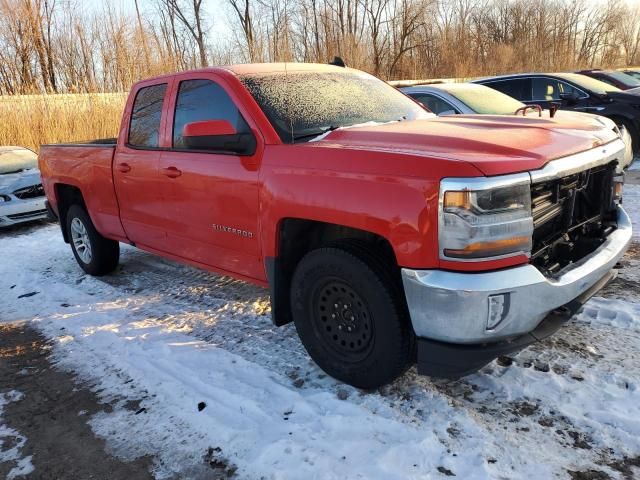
x=22 y=197
x=471 y=98
x=463 y=98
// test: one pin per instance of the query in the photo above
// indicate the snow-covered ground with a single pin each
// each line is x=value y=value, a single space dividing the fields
x=12 y=442
x=215 y=383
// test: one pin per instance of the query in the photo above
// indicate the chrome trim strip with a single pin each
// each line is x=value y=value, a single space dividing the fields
x=580 y=161
x=483 y=183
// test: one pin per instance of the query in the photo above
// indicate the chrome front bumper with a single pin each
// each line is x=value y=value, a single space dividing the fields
x=455 y=307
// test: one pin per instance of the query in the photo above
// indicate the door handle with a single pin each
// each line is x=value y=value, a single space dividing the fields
x=172 y=172
x=124 y=167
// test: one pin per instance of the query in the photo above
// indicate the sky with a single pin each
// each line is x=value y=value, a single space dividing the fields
x=217 y=10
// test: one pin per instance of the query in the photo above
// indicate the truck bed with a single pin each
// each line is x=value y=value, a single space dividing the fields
x=87 y=168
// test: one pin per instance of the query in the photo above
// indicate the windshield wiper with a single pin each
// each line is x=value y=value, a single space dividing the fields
x=317 y=133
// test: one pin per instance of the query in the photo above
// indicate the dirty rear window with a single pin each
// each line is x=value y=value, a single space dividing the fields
x=301 y=105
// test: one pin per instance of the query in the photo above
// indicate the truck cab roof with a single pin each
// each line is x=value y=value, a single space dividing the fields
x=257 y=68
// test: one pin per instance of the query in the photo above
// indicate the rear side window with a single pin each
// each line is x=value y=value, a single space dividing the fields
x=518 y=88
x=200 y=100
x=435 y=104
x=144 y=129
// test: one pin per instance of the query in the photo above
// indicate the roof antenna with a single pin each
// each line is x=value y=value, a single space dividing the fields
x=338 y=62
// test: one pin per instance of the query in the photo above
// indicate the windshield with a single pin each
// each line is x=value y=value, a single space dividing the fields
x=13 y=160
x=301 y=105
x=483 y=99
x=596 y=86
x=628 y=80
x=633 y=73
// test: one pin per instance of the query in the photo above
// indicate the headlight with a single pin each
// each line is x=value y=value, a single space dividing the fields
x=485 y=218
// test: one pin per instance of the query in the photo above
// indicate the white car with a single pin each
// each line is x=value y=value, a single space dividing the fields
x=22 y=197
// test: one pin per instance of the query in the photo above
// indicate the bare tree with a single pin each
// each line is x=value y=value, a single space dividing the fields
x=243 y=11
x=45 y=48
x=377 y=18
x=192 y=18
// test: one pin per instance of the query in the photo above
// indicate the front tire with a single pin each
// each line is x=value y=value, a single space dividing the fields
x=95 y=254
x=349 y=319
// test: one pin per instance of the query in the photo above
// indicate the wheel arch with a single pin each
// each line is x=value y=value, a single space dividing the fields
x=67 y=195
x=297 y=236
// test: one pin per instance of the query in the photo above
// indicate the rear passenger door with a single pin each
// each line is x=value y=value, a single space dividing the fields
x=212 y=196
x=137 y=182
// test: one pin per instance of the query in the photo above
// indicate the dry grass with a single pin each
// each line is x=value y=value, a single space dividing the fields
x=32 y=120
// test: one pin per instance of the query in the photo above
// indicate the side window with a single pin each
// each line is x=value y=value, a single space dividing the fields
x=518 y=88
x=566 y=88
x=435 y=104
x=200 y=100
x=549 y=89
x=144 y=128
x=546 y=89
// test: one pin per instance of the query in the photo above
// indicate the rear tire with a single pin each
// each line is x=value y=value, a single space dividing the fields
x=349 y=318
x=95 y=254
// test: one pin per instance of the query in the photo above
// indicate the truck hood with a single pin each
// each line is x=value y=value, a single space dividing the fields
x=10 y=182
x=494 y=144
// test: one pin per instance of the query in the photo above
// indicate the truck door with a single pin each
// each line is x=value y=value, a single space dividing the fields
x=212 y=196
x=137 y=181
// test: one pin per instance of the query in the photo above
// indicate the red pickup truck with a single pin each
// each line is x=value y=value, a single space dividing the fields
x=388 y=235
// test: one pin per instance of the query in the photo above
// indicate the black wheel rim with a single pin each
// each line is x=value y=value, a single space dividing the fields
x=341 y=320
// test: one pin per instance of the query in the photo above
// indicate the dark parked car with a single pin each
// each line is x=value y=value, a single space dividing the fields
x=571 y=91
x=634 y=72
x=621 y=80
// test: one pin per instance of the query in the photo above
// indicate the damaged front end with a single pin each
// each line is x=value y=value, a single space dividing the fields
x=572 y=216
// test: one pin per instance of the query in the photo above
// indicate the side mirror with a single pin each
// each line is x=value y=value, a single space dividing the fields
x=571 y=97
x=218 y=136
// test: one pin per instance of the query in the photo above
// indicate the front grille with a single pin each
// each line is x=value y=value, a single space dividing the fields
x=572 y=216
x=34 y=191
x=22 y=216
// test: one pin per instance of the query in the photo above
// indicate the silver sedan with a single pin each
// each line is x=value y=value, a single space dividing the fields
x=22 y=197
